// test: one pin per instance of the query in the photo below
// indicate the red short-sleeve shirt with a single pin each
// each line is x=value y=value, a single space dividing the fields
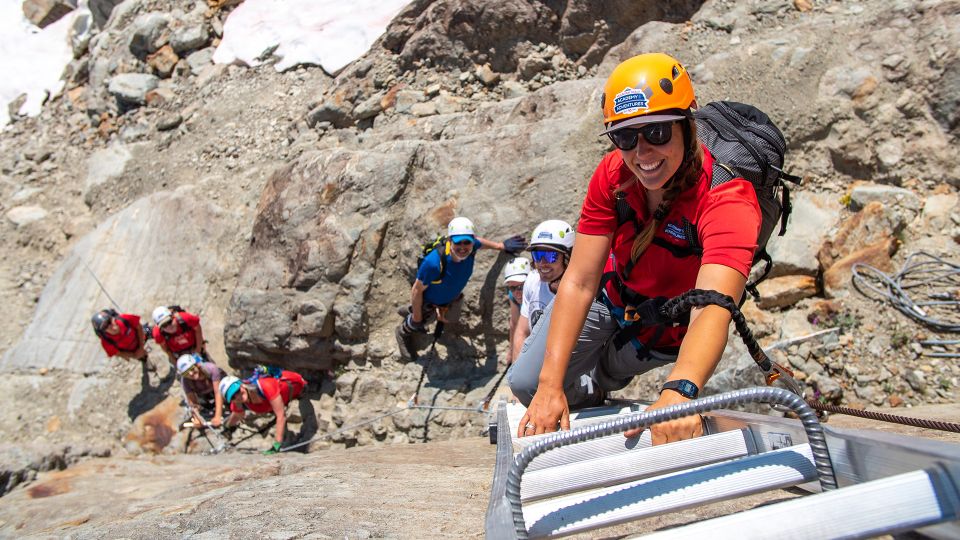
x=126 y=340
x=184 y=339
x=287 y=387
x=727 y=220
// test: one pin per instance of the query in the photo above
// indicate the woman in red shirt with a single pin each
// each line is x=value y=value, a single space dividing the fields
x=663 y=173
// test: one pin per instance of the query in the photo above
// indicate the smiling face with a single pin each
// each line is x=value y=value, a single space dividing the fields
x=461 y=250
x=550 y=271
x=654 y=165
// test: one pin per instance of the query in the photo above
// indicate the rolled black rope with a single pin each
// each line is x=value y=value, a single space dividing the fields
x=677 y=306
x=771 y=395
x=885 y=417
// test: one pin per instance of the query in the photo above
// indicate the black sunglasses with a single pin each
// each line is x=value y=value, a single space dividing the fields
x=657 y=134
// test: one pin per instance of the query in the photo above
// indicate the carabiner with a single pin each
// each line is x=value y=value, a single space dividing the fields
x=786 y=377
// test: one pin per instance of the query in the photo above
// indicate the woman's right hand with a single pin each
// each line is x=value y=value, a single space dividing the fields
x=547 y=410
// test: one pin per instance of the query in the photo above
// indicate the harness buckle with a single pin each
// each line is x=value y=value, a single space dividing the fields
x=631 y=314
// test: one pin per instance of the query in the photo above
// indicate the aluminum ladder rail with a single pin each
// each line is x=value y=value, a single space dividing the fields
x=742 y=453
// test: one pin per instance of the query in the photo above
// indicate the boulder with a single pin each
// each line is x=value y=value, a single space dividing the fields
x=836 y=278
x=25 y=215
x=132 y=88
x=785 y=291
x=163 y=61
x=149 y=33
x=81 y=31
x=899 y=199
x=200 y=59
x=336 y=114
x=941 y=212
x=877 y=223
x=795 y=253
x=43 y=13
x=102 y=9
x=189 y=38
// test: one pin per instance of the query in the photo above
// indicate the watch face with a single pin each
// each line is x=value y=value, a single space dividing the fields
x=688 y=389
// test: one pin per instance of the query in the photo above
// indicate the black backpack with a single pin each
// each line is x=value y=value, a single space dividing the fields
x=440 y=243
x=745 y=143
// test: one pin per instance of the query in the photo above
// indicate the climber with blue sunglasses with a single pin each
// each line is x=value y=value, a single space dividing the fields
x=550 y=245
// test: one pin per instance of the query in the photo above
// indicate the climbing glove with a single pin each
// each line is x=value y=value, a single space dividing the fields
x=515 y=244
x=274 y=449
x=414 y=326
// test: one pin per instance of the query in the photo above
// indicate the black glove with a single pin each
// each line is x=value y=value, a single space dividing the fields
x=515 y=244
x=414 y=326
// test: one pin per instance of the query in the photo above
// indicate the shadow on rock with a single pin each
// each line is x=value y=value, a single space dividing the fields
x=149 y=396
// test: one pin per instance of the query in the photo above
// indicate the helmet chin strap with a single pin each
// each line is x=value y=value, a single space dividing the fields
x=555 y=284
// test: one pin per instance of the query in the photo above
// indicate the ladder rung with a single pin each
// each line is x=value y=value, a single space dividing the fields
x=616 y=469
x=898 y=503
x=573 y=453
x=621 y=503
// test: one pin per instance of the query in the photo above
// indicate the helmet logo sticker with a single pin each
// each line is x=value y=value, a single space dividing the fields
x=545 y=234
x=631 y=100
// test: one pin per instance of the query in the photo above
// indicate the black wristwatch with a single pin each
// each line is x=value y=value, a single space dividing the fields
x=683 y=387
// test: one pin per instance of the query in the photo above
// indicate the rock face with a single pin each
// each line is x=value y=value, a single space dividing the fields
x=338 y=223
x=159 y=251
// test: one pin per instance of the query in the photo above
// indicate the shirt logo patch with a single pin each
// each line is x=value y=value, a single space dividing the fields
x=675 y=230
x=631 y=100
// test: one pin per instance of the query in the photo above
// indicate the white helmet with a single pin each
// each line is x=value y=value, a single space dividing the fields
x=459 y=227
x=553 y=234
x=161 y=315
x=516 y=270
x=186 y=361
x=229 y=386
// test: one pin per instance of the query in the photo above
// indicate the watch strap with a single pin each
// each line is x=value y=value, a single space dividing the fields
x=684 y=387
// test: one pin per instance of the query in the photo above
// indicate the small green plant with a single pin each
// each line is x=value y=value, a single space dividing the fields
x=944 y=384
x=899 y=339
x=846 y=200
x=846 y=321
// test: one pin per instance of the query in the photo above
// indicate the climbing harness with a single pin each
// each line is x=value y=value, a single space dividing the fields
x=923 y=273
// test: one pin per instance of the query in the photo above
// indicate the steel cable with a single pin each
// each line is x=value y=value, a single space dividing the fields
x=885 y=417
x=919 y=270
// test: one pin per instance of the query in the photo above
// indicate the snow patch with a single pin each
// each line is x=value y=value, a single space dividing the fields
x=31 y=60
x=326 y=33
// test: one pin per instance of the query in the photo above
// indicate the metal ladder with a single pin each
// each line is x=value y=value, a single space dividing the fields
x=861 y=483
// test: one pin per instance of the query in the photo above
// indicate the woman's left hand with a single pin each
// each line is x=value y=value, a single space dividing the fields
x=687 y=427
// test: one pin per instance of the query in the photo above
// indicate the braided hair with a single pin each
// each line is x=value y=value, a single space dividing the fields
x=686 y=177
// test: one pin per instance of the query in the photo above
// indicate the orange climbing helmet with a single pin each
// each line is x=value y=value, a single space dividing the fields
x=643 y=86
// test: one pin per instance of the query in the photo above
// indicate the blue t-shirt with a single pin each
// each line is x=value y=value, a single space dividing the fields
x=454 y=279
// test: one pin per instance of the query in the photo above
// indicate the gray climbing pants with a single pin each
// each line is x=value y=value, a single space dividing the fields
x=595 y=362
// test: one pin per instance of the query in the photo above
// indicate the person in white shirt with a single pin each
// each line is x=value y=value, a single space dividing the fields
x=514 y=275
x=550 y=245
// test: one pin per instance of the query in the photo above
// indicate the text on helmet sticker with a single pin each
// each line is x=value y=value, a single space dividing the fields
x=631 y=100
x=545 y=234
